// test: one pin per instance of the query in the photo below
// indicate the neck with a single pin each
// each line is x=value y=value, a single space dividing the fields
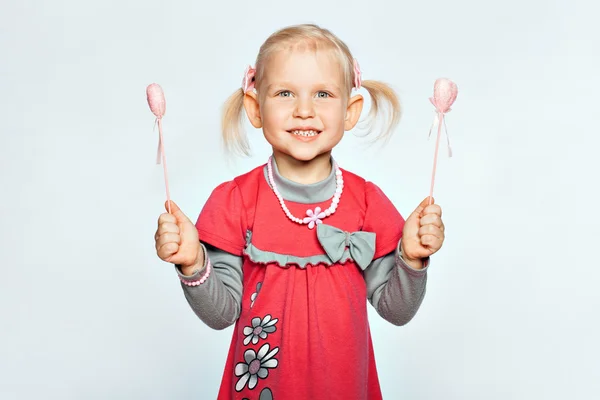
x=303 y=172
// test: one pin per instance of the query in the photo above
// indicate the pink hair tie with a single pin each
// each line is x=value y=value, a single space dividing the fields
x=357 y=75
x=248 y=81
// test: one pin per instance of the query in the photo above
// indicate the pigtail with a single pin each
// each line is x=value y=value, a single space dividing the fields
x=234 y=137
x=380 y=94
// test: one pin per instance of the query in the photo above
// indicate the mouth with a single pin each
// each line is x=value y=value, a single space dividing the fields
x=304 y=132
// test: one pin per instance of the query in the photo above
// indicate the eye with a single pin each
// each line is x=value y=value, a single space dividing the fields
x=323 y=95
x=284 y=93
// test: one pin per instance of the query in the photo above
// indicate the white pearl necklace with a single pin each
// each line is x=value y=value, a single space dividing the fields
x=313 y=217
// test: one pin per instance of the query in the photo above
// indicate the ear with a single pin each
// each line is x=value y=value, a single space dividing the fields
x=355 y=106
x=252 y=109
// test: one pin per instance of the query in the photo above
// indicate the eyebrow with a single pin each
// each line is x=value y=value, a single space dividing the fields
x=288 y=84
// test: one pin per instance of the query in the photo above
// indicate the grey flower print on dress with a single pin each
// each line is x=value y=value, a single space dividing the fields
x=255 y=366
x=253 y=297
x=259 y=329
x=265 y=394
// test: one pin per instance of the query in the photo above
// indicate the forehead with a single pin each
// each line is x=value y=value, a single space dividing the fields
x=303 y=66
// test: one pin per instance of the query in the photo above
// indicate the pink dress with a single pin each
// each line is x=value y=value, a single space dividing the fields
x=303 y=331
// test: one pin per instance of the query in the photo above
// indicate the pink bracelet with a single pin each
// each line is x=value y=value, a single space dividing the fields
x=202 y=278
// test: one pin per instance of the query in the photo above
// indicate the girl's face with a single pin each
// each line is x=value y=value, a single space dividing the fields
x=303 y=106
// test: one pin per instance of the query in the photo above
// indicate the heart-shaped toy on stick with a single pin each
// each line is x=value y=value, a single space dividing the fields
x=157 y=103
x=444 y=95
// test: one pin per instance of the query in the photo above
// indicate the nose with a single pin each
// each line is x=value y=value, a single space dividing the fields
x=304 y=108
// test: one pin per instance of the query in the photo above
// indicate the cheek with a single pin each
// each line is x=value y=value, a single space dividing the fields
x=333 y=115
x=273 y=116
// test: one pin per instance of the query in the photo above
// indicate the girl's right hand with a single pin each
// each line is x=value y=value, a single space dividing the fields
x=177 y=238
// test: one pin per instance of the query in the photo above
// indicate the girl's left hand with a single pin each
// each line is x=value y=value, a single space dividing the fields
x=423 y=232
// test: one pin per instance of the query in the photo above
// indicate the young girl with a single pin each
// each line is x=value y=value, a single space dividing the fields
x=290 y=251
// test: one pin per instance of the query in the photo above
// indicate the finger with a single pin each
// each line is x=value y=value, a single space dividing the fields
x=432 y=219
x=432 y=242
x=167 y=227
x=168 y=238
x=174 y=206
x=432 y=209
x=423 y=205
x=431 y=230
x=166 y=217
x=176 y=211
x=167 y=250
x=162 y=237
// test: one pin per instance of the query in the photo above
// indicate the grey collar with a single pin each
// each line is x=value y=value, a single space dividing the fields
x=299 y=193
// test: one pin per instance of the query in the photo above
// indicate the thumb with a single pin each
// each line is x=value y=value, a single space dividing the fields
x=176 y=211
x=423 y=205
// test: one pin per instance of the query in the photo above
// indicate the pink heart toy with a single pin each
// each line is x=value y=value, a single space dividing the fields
x=158 y=105
x=444 y=95
x=156 y=100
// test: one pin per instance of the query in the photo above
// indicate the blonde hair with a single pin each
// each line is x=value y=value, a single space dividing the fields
x=315 y=38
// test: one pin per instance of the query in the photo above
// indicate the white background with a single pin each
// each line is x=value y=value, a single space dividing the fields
x=87 y=309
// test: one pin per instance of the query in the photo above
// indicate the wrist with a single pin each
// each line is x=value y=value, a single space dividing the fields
x=197 y=265
x=414 y=263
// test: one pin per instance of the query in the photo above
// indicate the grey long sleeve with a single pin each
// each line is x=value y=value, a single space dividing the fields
x=217 y=301
x=395 y=289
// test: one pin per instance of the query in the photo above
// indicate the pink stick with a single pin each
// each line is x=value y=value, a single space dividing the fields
x=164 y=162
x=437 y=145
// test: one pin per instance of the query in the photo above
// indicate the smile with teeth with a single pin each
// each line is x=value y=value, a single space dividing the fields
x=305 y=133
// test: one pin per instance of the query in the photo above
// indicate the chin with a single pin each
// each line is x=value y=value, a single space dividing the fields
x=304 y=154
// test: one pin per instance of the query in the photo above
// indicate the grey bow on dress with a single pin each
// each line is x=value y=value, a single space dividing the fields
x=334 y=241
